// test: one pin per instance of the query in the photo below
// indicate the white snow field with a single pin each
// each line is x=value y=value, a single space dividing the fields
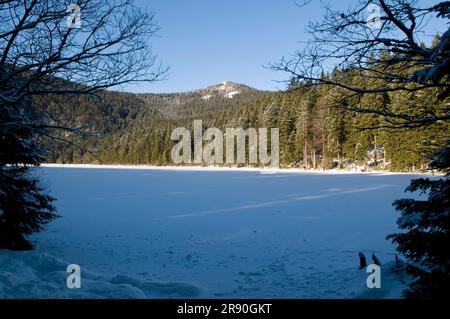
x=174 y=233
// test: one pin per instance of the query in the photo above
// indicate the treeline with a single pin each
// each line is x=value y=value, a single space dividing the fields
x=317 y=127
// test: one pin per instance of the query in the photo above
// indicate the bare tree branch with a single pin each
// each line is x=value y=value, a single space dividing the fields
x=42 y=54
x=390 y=57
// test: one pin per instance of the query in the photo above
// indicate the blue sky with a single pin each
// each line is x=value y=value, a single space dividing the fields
x=209 y=41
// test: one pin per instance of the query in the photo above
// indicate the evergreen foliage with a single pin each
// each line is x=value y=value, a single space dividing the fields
x=315 y=130
x=425 y=239
x=24 y=206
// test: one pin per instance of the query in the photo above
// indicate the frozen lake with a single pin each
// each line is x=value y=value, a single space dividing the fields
x=188 y=233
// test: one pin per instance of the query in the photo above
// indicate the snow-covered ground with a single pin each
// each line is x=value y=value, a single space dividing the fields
x=193 y=233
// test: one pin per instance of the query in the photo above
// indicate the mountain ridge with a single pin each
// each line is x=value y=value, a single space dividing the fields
x=211 y=87
x=201 y=102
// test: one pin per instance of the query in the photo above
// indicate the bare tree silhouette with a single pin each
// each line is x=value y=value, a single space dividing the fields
x=388 y=56
x=53 y=48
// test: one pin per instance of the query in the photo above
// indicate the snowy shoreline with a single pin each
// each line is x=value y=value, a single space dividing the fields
x=233 y=169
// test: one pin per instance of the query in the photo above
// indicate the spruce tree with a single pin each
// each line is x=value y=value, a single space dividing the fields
x=24 y=206
x=425 y=239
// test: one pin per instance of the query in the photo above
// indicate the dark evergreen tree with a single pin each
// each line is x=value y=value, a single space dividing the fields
x=24 y=207
x=426 y=237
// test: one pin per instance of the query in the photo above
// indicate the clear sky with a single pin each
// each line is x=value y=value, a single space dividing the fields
x=209 y=41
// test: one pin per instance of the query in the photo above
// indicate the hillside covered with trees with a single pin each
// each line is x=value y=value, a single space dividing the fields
x=318 y=125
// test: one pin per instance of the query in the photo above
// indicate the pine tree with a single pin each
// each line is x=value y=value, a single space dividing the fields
x=425 y=240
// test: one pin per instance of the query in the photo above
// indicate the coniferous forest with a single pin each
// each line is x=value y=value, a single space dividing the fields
x=319 y=127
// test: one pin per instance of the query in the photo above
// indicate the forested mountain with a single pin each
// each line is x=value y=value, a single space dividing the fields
x=210 y=100
x=315 y=129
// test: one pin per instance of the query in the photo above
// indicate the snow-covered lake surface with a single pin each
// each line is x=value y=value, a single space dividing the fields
x=209 y=234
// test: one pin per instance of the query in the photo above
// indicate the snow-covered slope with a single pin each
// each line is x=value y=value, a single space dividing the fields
x=40 y=275
x=226 y=89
